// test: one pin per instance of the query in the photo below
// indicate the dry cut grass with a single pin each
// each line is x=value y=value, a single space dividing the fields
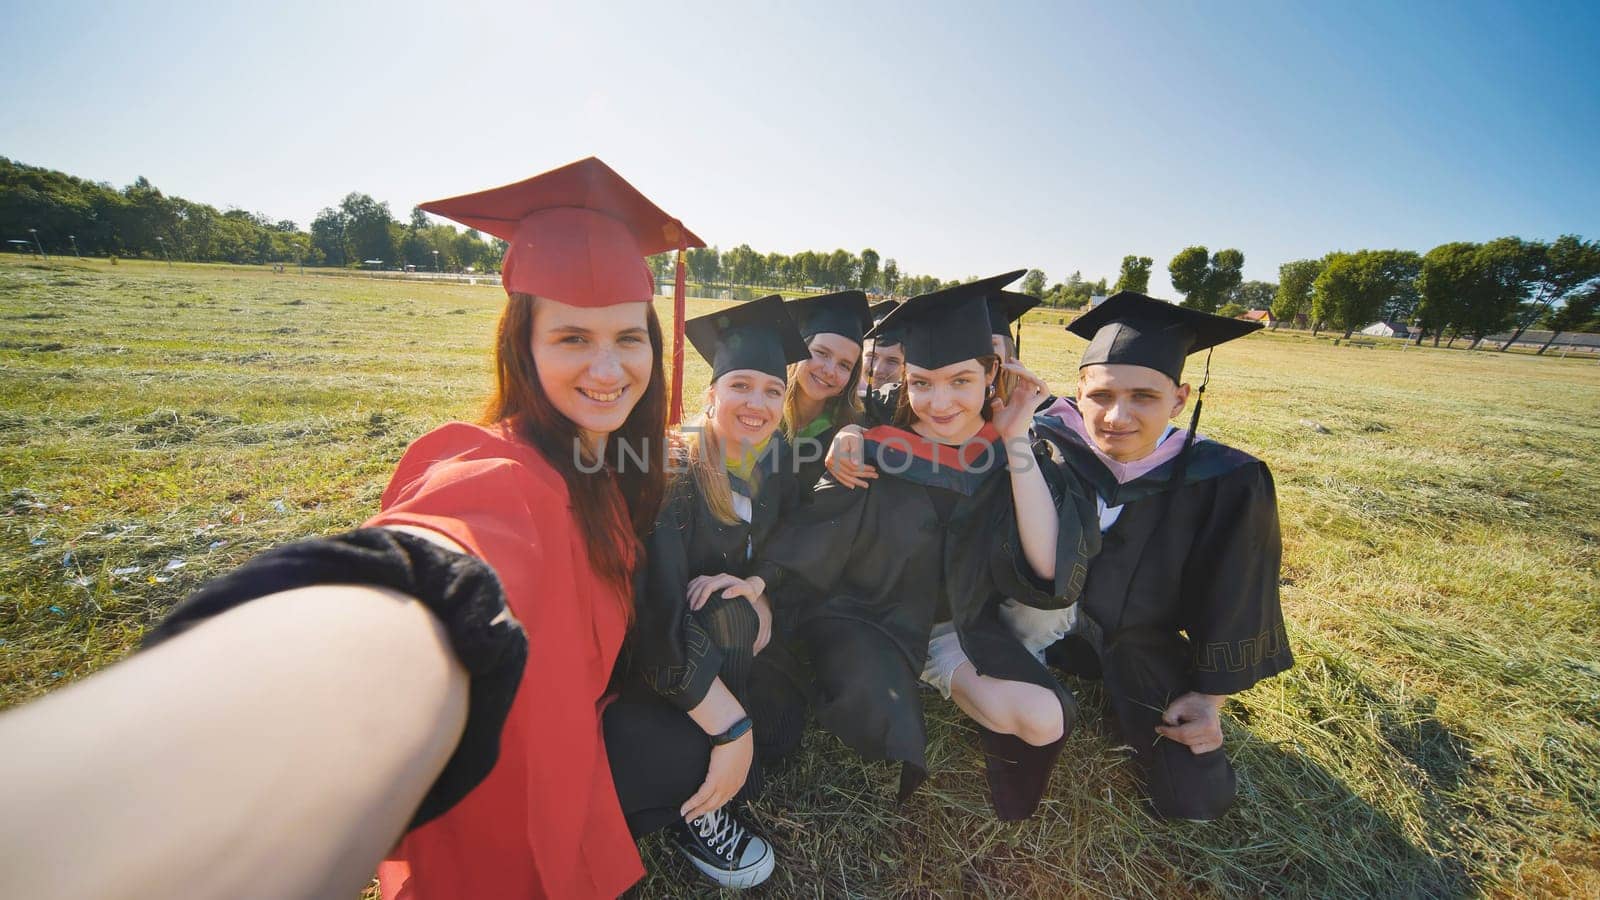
x=1440 y=735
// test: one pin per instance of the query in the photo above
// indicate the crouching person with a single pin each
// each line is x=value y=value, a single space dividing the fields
x=707 y=698
x=1181 y=607
x=900 y=580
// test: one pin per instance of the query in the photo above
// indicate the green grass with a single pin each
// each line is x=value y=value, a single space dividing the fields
x=1439 y=736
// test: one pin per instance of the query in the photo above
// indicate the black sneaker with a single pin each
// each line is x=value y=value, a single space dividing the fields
x=726 y=850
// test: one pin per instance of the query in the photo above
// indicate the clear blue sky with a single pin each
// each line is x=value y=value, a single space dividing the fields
x=959 y=138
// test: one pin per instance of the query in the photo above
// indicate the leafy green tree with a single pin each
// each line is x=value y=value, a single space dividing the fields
x=1135 y=274
x=841 y=269
x=1580 y=312
x=1253 y=295
x=1504 y=268
x=367 y=227
x=869 y=269
x=891 y=275
x=704 y=264
x=1188 y=271
x=1232 y=310
x=328 y=236
x=1033 y=283
x=1075 y=292
x=1354 y=288
x=742 y=265
x=1334 y=291
x=662 y=267
x=1556 y=271
x=1226 y=273
x=1447 y=283
x=1206 y=280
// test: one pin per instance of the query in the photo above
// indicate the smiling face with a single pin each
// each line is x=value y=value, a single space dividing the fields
x=825 y=375
x=886 y=365
x=746 y=406
x=593 y=362
x=948 y=402
x=1126 y=408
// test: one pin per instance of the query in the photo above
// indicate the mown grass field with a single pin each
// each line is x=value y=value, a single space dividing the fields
x=1439 y=736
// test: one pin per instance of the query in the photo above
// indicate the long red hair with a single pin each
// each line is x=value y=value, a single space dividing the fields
x=615 y=505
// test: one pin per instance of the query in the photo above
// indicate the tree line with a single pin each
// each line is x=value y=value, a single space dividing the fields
x=73 y=215
x=1462 y=289
x=808 y=269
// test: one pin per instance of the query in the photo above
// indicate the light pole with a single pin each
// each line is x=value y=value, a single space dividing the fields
x=39 y=246
x=74 y=239
x=163 y=242
x=435 y=262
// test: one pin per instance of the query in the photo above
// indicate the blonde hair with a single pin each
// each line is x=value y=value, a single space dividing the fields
x=842 y=409
x=707 y=465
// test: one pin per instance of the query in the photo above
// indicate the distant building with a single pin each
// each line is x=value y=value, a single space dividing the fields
x=1096 y=300
x=1387 y=329
x=1264 y=316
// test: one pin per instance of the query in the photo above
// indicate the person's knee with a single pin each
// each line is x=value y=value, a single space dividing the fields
x=1027 y=711
x=1038 y=718
x=730 y=621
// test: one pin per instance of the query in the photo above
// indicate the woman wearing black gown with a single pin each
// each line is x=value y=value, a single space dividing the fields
x=705 y=699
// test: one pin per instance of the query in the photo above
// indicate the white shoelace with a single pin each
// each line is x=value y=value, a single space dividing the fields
x=721 y=831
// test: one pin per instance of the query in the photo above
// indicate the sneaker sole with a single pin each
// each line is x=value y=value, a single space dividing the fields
x=738 y=879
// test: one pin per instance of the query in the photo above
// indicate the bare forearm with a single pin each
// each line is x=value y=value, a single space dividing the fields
x=718 y=711
x=278 y=749
x=1037 y=523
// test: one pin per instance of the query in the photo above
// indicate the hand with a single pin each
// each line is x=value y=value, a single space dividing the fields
x=1014 y=417
x=703 y=587
x=730 y=765
x=1194 y=720
x=846 y=458
x=764 y=616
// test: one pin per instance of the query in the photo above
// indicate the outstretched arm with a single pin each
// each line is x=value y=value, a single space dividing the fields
x=277 y=749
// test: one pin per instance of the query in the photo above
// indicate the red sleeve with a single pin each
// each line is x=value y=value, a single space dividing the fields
x=546 y=821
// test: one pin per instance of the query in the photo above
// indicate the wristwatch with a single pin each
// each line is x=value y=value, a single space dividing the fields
x=735 y=731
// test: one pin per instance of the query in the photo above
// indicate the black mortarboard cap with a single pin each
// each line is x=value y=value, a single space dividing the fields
x=843 y=313
x=879 y=312
x=1006 y=307
x=1134 y=330
x=757 y=335
x=948 y=326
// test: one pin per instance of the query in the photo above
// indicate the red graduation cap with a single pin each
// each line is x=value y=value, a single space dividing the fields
x=579 y=234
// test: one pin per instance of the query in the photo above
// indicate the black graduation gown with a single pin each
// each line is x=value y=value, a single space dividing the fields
x=668 y=646
x=658 y=755
x=1183 y=596
x=862 y=574
x=808 y=459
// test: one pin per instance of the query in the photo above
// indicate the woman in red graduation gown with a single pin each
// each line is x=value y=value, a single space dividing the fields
x=546 y=493
x=430 y=685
